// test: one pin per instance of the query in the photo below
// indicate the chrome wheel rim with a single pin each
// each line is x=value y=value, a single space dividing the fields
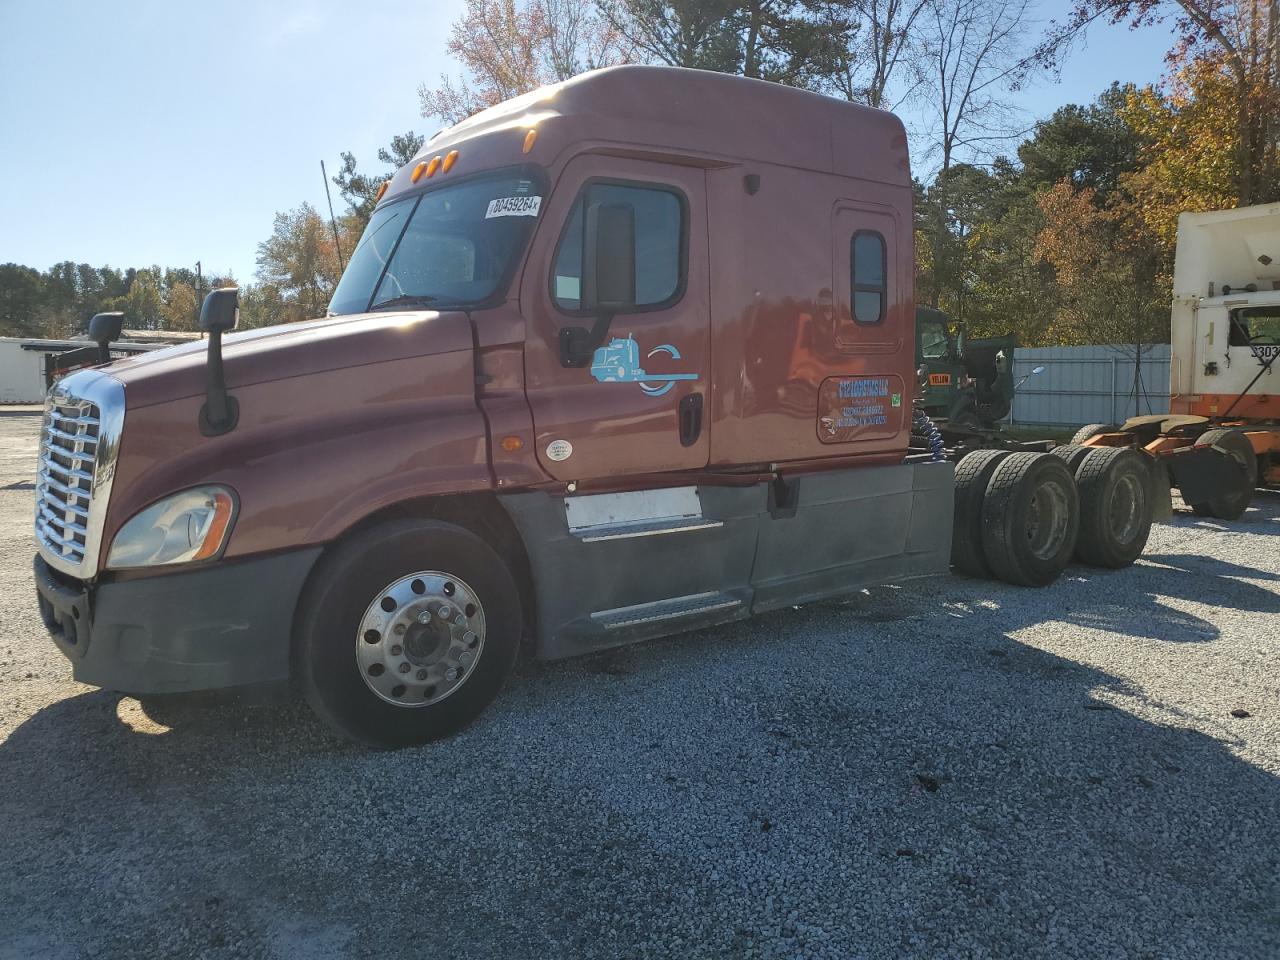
x=1047 y=519
x=420 y=639
x=1127 y=503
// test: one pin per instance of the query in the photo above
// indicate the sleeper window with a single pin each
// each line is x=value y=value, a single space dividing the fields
x=659 y=217
x=868 y=274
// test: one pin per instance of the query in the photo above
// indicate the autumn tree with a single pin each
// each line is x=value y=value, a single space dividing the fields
x=881 y=50
x=299 y=261
x=1238 y=39
x=1190 y=157
x=360 y=189
x=1105 y=271
x=509 y=47
x=971 y=56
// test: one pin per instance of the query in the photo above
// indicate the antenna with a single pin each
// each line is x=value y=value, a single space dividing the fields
x=332 y=221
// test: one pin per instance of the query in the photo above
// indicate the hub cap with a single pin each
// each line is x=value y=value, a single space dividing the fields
x=1047 y=519
x=1127 y=504
x=420 y=639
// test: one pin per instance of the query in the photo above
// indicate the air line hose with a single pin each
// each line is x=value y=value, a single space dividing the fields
x=925 y=427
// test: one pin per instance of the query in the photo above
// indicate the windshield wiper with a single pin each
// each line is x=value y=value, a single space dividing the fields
x=407 y=300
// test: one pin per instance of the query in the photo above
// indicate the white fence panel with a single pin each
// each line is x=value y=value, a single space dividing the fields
x=1093 y=384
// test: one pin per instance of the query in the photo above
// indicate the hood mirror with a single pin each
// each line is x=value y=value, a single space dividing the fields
x=219 y=313
x=103 y=328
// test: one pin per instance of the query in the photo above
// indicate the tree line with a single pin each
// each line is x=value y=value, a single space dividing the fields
x=1061 y=231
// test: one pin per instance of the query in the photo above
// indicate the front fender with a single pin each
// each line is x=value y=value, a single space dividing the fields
x=313 y=455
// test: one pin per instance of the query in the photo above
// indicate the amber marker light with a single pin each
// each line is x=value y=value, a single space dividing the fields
x=432 y=167
x=381 y=190
x=529 y=139
x=223 y=508
x=418 y=171
x=512 y=444
x=450 y=159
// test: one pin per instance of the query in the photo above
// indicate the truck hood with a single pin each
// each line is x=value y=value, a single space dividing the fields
x=292 y=350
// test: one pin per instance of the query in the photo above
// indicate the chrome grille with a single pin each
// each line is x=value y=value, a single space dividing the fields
x=77 y=462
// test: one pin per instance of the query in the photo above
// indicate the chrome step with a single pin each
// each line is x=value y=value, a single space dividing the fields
x=646 y=528
x=670 y=609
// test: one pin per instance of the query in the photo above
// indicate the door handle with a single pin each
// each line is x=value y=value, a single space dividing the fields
x=690 y=419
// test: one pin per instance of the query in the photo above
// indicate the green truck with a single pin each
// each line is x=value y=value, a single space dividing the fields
x=969 y=382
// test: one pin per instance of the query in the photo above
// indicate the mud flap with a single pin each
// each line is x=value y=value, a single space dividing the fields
x=1161 y=491
x=1202 y=473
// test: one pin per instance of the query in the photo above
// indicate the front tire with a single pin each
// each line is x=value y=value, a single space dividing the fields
x=406 y=632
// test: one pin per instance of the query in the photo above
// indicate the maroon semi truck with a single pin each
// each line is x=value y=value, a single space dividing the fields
x=619 y=358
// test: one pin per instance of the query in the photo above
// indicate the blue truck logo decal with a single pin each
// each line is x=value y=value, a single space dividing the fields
x=619 y=362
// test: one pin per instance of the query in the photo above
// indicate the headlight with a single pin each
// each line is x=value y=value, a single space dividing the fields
x=191 y=525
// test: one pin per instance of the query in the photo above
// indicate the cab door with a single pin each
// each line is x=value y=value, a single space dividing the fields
x=637 y=406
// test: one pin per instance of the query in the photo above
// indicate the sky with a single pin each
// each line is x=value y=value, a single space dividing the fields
x=145 y=132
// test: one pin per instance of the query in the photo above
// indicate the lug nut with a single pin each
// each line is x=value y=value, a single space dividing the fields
x=424 y=617
x=422 y=674
x=396 y=650
x=451 y=674
x=445 y=613
x=404 y=668
x=400 y=628
x=465 y=656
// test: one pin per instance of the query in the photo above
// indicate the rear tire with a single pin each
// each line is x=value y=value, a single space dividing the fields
x=1230 y=505
x=406 y=632
x=1030 y=519
x=1091 y=430
x=973 y=473
x=1115 y=507
x=1072 y=455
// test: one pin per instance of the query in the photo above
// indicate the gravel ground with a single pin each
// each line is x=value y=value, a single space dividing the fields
x=951 y=769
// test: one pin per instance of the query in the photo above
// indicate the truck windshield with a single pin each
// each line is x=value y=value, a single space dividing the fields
x=450 y=247
x=933 y=340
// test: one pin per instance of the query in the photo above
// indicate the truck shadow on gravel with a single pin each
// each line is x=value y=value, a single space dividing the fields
x=897 y=774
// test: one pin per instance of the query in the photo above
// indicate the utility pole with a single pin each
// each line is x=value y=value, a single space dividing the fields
x=199 y=284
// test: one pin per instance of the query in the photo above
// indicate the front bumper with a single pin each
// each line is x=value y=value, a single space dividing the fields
x=225 y=625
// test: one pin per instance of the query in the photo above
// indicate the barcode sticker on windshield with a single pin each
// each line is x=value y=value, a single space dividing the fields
x=513 y=207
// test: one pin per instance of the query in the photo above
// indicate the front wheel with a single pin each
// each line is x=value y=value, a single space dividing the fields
x=406 y=632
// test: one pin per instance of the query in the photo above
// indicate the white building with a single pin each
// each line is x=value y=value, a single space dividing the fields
x=22 y=359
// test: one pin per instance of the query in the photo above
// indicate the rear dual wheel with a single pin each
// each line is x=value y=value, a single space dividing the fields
x=1115 y=506
x=1030 y=519
x=1016 y=516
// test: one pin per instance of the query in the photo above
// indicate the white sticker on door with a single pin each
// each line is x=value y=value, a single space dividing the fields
x=559 y=450
x=513 y=207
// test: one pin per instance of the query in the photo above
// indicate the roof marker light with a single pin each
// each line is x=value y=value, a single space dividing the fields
x=529 y=139
x=432 y=167
x=418 y=171
x=381 y=190
x=449 y=160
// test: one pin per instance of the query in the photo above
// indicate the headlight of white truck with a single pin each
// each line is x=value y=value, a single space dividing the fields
x=187 y=526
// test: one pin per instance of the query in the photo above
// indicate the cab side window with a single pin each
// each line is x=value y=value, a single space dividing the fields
x=660 y=244
x=868 y=276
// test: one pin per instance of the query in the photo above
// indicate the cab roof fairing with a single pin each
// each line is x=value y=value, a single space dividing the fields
x=677 y=111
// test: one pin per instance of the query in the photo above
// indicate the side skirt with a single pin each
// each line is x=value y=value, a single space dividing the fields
x=614 y=568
